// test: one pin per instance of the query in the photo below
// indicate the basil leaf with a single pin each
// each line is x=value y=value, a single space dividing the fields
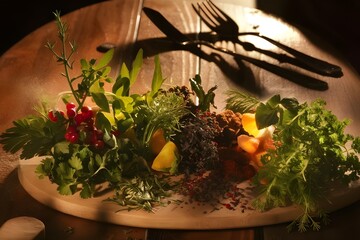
x=101 y=100
x=266 y=116
x=104 y=60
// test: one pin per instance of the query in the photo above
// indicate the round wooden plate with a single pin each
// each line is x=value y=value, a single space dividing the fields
x=174 y=216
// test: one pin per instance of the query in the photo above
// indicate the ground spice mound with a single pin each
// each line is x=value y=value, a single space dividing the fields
x=212 y=189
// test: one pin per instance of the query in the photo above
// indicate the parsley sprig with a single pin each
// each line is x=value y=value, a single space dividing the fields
x=312 y=153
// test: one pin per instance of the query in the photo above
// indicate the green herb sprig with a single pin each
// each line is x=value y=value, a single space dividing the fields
x=80 y=166
x=312 y=153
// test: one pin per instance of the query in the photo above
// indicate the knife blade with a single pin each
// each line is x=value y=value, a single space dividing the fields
x=178 y=37
x=164 y=25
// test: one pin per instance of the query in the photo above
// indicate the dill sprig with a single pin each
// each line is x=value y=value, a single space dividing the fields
x=241 y=102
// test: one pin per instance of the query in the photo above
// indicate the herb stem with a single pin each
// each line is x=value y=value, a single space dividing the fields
x=64 y=58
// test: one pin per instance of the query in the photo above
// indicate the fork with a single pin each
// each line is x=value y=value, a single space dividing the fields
x=226 y=28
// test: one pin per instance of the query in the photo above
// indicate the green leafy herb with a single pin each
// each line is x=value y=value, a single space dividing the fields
x=240 y=102
x=312 y=153
x=164 y=112
x=141 y=193
x=205 y=99
x=34 y=135
x=94 y=73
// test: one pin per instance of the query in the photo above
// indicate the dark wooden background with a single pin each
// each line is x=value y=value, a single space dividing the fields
x=19 y=18
x=336 y=20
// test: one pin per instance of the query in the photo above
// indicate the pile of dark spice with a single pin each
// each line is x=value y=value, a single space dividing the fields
x=212 y=189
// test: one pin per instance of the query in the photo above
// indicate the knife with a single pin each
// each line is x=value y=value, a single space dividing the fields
x=176 y=36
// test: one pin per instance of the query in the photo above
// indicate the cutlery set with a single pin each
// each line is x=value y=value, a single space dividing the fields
x=226 y=29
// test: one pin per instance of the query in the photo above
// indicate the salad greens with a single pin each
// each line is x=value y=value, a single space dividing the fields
x=84 y=146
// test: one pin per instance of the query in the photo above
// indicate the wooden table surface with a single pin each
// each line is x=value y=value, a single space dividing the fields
x=28 y=74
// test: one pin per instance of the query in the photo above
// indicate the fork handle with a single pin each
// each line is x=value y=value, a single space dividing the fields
x=296 y=77
x=327 y=68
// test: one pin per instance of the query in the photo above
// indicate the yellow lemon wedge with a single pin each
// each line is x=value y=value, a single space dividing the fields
x=248 y=144
x=157 y=141
x=167 y=156
x=249 y=124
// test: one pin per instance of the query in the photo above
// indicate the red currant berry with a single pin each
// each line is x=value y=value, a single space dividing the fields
x=93 y=138
x=85 y=109
x=62 y=113
x=72 y=137
x=87 y=115
x=79 y=118
x=70 y=105
x=52 y=116
x=71 y=129
x=71 y=112
x=99 y=144
x=90 y=122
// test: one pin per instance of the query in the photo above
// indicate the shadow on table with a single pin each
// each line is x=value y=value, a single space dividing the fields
x=234 y=68
x=333 y=21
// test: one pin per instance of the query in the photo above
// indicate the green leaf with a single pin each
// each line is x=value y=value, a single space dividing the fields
x=110 y=139
x=86 y=191
x=290 y=104
x=44 y=169
x=136 y=66
x=197 y=88
x=104 y=121
x=121 y=86
x=105 y=72
x=75 y=162
x=266 y=116
x=66 y=189
x=126 y=104
x=205 y=99
x=99 y=160
x=97 y=87
x=85 y=153
x=91 y=166
x=104 y=60
x=124 y=71
x=34 y=135
x=157 y=79
x=356 y=144
x=101 y=100
x=84 y=64
x=118 y=110
x=274 y=101
x=125 y=124
x=61 y=148
x=65 y=171
x=241 y=102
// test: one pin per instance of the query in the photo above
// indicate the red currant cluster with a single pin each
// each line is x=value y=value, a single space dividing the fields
x=81 y=127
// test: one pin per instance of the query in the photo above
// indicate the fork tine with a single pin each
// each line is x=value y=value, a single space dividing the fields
x=214 y=11
x=209 y=22
x=224 y=15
